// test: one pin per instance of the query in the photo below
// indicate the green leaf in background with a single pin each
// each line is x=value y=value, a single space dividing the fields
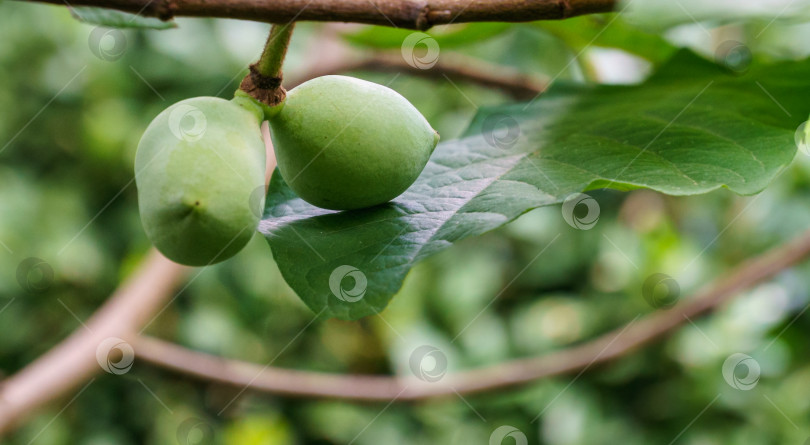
x=662 y=14
x=609 y=31
x=118 y=19
x=383 y=37
x=691 y=128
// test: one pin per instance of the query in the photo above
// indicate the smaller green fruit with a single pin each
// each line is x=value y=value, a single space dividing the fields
x=199 y=170
x=344 y=143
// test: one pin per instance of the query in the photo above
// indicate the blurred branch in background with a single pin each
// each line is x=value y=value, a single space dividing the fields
x=453 y=66
x=607 y=347
x=73 y=361
x=407 y=14
x=331 y=56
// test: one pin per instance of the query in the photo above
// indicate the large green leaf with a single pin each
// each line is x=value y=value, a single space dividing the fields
x=690 y=129
x=118 y=19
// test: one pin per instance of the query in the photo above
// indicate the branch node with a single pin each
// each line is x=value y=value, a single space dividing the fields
x=165 y=10
x=422 y=22
x=265 y=89
x=566 y=10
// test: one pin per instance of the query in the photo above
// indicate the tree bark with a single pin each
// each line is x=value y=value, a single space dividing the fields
x=412 y=14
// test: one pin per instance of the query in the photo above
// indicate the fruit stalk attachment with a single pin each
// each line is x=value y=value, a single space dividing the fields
x=263 y=83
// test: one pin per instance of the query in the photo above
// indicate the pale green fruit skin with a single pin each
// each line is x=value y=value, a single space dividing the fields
x=197 y=183
x=343 y=143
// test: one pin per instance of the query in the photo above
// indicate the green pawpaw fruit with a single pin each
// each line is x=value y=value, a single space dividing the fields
x=199 y=170
x=343 y=143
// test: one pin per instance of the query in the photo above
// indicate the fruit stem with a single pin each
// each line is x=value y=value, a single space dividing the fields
x=275 y=49
x=263 y=83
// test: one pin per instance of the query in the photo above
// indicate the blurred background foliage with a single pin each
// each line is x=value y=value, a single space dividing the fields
x=70 y=125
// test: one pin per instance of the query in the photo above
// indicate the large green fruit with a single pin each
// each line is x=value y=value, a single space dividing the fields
x=200 y=175
x=344 y=143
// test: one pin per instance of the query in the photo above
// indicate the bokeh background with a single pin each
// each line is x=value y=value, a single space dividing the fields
x=72 y=108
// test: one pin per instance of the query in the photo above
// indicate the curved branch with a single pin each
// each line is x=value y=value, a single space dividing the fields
x=454 y=66
x=413 y=14
x=73 y=361
x=382 y=388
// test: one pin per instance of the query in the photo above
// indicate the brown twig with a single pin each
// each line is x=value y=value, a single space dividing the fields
x=413 y=14
x=383 y=388
x=454 y=66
